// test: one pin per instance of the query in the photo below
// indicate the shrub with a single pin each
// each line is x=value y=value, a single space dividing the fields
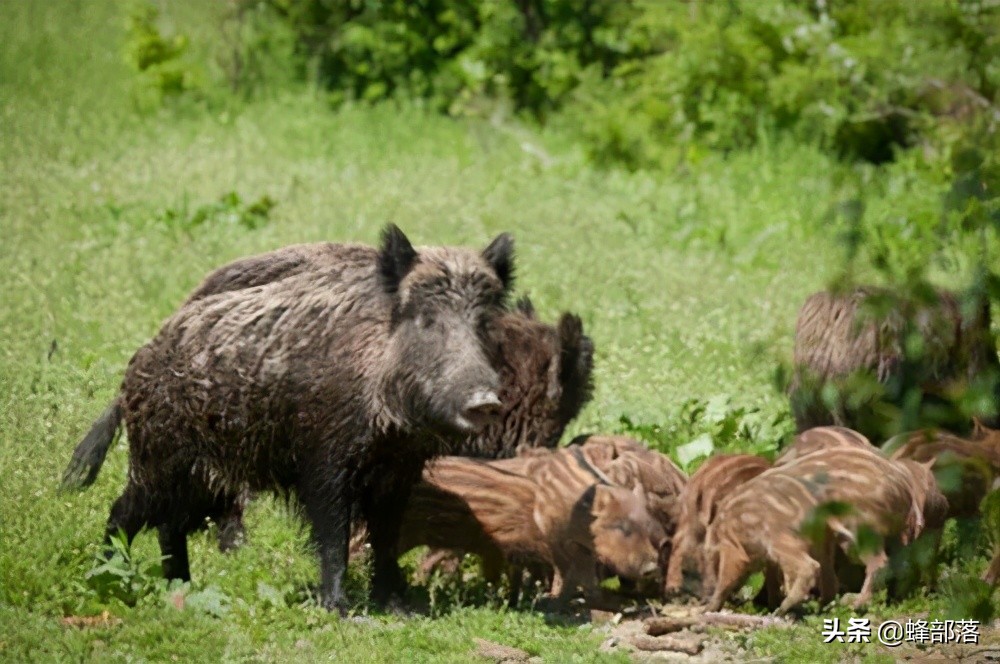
x=160 y=61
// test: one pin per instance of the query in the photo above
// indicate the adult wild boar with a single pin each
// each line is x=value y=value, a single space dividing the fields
x=841 y=338
x=544 y=370
x=334 y=384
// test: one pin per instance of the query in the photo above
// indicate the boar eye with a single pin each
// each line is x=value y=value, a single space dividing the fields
x=625 y=527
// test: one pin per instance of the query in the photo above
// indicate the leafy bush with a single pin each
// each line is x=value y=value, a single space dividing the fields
x=122 y=577
x=160 y=60
x=862 y=78
x=700 y=429
x=447 y=53
x=641 y=77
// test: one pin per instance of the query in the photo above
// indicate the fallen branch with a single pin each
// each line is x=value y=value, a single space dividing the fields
x=658 y=643
x=742 y=620
x=659 y=625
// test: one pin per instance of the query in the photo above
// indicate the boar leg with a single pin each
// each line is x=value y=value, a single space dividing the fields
x=800 y=570
x=330 y=516
x=556 y=587
x=574 y=569
x=675 y=566
x=515 y=574
x=828 y=582
x=873 y=563
x=384 y=518
x=129 y=514
x=231 y=532
x=173 y=548
x=732 y=569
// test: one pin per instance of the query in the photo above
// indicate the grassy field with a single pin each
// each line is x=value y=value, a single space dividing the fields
x=688 y=281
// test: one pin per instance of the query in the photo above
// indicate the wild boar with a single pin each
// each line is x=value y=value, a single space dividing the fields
x=714 y=480
x=968 y=469
x=968 y=466
x=563 y=474
x=822 y=438
x=629 y=463
x=506 y=517
x=545 y=371
x=335 y=385
x=841 y=337
x=760 y=522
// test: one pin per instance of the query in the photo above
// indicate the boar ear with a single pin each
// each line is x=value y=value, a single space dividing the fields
x=396 y=257
x=500 y=255
x=602 y=498
x=525 y=307
x=576 y=366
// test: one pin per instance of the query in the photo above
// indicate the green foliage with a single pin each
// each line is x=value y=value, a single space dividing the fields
x=256 y=50
x=164 y=71
x=701 y=428
x=969 y=598
x=230 y=209
x=861 y=78
x=122 y=577
x=449 y=53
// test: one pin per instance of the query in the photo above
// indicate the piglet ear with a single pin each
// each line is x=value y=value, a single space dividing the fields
x=396 y=257
x=602 y=498
x=500 y=255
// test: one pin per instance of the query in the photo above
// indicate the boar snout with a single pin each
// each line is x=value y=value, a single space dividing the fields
x=482 y=409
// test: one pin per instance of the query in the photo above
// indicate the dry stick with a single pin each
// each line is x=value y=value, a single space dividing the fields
x=657 y=626
x=653 y=644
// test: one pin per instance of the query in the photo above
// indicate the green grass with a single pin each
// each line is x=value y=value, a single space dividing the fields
x=688 y=281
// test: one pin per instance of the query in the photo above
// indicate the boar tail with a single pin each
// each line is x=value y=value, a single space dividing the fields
x=88 y=457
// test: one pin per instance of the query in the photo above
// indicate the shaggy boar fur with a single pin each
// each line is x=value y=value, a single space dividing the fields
x=545 y=371
x=714 y=480
x=334 y=384
x=760 y=521
x=840 y=336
